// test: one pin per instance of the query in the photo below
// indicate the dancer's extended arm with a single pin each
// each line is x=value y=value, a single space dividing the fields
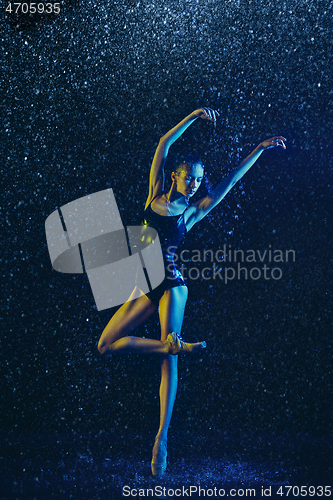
x=156 y=178
x=201 y=208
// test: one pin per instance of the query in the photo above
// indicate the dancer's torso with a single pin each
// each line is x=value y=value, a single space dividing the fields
x=171 y=230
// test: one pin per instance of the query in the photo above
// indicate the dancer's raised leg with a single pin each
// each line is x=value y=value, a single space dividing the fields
x=128 y=317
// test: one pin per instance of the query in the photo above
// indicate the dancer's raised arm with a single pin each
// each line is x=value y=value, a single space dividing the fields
x=202 y=207
x=156 y=178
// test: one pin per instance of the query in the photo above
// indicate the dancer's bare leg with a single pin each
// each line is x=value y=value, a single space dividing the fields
x=128 y=317
x=171 y=311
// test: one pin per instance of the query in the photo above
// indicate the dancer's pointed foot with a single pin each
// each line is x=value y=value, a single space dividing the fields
x=177 y=346
x=159 y=460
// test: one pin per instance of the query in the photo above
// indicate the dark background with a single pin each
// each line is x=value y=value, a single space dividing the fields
x=85 y=97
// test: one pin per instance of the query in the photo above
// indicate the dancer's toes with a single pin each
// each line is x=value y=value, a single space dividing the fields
x=193 y=347
x=177 y=346
x=159 y=460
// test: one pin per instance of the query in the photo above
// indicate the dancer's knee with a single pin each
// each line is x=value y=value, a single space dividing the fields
x=103 y=347
x=106 y=340
x=121 y=344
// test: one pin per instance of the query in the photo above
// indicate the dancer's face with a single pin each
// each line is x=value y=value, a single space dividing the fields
x=189 y=179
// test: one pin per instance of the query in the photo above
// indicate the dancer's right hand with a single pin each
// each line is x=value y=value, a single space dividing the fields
x=207 y=114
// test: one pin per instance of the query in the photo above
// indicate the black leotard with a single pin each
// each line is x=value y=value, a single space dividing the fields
x=171 y=230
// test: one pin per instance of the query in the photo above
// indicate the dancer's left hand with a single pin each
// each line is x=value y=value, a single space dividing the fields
x=273 y=142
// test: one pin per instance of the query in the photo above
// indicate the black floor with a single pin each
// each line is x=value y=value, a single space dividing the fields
x=109 y=466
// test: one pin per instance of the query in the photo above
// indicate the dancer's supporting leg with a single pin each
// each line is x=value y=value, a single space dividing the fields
x=171 y=312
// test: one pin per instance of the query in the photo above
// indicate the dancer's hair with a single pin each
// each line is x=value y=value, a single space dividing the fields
x=189 y=160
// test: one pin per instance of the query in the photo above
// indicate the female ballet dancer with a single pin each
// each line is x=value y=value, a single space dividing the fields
x=172 y=216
